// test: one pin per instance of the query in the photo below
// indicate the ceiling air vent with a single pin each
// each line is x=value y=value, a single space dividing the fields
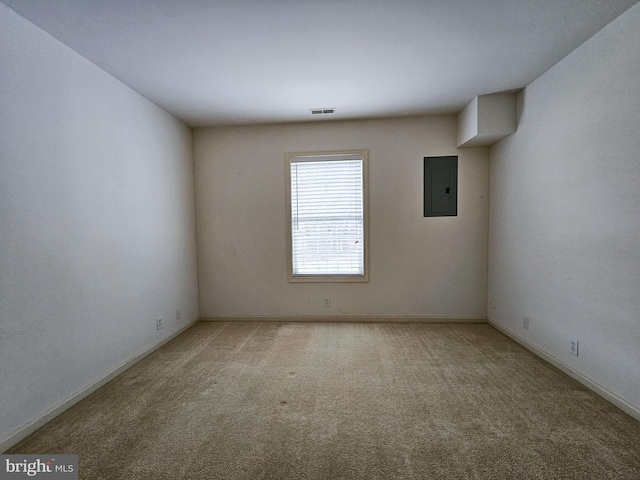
x=322 y=111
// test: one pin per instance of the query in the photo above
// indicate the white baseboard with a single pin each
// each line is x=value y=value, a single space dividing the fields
x=592 y=385
x=344 y=319
x=32 y=426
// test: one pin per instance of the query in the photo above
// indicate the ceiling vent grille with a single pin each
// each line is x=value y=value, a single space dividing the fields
x=322 y=111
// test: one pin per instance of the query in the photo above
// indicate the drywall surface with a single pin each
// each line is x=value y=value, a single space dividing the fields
x=97 y=218
x=419 y=266
x=468 y=122
x=487 y=119
x=564 y=235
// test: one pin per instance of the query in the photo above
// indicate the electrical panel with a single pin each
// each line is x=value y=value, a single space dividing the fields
x=441 y=186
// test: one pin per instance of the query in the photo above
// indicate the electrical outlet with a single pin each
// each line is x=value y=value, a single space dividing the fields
x=573 y=346
x=158 y=323
x=178 y=314
x=525 y=323
x=327 y=302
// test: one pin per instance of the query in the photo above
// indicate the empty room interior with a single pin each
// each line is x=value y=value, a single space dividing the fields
x=164 y=310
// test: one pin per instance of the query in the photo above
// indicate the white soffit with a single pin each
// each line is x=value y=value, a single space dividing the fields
x=487 y=119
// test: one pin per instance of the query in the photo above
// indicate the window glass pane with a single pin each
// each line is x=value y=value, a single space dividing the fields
x=327 y=217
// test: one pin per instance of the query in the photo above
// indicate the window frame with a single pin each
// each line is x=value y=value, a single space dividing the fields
x=331 y=278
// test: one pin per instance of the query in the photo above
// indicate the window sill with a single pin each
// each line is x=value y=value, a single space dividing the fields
x=328 y=278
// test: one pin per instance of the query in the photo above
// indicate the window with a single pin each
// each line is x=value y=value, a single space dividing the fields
x=327 y=216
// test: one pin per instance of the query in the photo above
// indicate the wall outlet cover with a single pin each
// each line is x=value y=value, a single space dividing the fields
x=573 y=346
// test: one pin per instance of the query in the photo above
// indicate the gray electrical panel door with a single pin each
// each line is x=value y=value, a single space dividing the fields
x=441 y=186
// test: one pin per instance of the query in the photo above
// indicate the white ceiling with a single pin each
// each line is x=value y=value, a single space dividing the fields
x=212 y=62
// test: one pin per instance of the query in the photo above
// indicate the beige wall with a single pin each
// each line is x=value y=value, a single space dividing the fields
x=564 y=243
x=97 y=225
x=420 y=267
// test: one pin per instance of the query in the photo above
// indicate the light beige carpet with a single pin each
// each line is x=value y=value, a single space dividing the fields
x=344 y=401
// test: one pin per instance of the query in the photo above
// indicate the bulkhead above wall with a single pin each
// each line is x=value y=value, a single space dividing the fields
x=487 y=119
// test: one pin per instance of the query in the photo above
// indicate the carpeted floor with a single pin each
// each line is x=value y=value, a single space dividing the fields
x=343 y=401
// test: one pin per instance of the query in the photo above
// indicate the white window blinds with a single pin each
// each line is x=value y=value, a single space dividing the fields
x=327 y=215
